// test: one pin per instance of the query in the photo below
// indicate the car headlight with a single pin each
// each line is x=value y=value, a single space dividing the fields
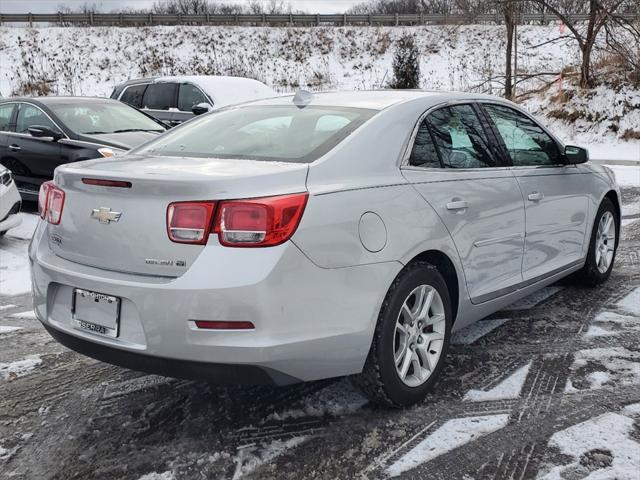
x=110 y=152
x=6 y=177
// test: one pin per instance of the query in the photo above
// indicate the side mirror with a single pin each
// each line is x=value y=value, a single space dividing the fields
x=201 y=108
x=40 y=131
x=575 y=155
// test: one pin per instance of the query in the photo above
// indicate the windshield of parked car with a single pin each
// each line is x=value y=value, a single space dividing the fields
x=109 y=117
x=261 y=132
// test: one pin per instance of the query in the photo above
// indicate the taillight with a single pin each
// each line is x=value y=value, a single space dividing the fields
x=50 y=202
x=190 y=222
x=259 y=222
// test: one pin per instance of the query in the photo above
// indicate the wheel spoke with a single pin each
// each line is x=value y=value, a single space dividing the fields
x=407 y=311
x=607 y=225
x=419 y=301
x=426 y=305
x=406 y=363
x=435 y=319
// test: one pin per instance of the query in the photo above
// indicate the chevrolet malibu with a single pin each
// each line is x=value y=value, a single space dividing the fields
x=295 y=239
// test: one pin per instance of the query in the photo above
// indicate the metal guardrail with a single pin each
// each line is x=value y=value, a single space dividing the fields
x=124 y=19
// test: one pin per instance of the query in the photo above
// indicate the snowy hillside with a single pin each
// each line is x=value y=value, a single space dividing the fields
x=90 y=61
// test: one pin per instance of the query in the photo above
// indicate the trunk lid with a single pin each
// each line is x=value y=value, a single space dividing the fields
x=137 y=242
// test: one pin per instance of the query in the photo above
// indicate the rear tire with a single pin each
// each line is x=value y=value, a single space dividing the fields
x=602 y=247
x=411 y=338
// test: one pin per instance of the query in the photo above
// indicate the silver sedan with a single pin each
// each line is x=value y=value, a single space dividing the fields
x=300 y=238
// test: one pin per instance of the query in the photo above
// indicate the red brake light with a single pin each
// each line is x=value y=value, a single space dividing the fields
x=259 y=222
x=190 y=222
x=106 y=183
x=43 y=196
x=50 y=202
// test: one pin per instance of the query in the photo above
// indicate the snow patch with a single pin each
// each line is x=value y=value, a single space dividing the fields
x=8 y=329
x=168 y=475
x=14 y=268
x=627 y=175
x=509 y=388
x=19 y=368
x=251 y=457
x=631 y=303
x=609 y=432
x=451 y=435
x=471 y=333
x=25 y=230
x=596 y=331
x=621 y=367
x=6 y=307
x=613 y=317
x=27 y=315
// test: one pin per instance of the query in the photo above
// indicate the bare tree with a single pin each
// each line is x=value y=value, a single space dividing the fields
x=600 y=14
x=509 y=11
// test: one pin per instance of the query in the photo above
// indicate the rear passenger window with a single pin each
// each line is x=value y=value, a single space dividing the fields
x=527 y=143
x=423 y=153
x=5 y=116
x=461 y=139
x=160 y=96
x=133 y=95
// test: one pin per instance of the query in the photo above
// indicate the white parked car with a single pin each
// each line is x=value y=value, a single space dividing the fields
x=10 y=202
x=177 y=99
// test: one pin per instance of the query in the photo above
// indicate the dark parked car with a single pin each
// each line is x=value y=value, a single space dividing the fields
x=38 y=134
x=177 y=99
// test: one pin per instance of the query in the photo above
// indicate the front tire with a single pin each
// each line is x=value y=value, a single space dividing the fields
x=603 y=246
x=411 y=338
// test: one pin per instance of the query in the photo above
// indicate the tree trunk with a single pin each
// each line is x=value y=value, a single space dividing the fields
x=508 y=74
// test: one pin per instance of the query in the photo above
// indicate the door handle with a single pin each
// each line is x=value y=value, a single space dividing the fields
x=15 y=148
x=457 y=205
x=535 y=196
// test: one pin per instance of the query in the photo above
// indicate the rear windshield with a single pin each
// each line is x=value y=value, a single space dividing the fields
x=261 y=132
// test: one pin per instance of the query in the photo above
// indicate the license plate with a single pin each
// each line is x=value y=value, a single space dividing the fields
x=95 y=312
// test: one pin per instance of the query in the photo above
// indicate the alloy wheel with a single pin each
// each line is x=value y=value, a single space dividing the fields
x=605 y=242
x=419 y=335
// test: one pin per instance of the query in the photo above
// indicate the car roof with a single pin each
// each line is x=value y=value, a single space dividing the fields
x=376 y=99
x=60 y=100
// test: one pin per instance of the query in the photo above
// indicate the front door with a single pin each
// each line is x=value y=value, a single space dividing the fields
x=457 y=171
x=556 y=204
x=36 y=157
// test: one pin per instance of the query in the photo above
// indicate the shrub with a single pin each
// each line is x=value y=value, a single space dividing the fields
x=406 y=64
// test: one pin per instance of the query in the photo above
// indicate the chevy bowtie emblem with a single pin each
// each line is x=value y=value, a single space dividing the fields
x=105 y=215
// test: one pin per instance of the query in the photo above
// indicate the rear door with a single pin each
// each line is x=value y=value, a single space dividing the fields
x=556 y=203
x=459 y=171
x=161 y=101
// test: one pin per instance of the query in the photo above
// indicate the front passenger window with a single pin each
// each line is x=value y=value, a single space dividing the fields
x=29 y=116
x=527 y=143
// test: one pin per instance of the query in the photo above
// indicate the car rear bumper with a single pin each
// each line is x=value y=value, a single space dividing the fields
x=310 y=322
x=218 y=373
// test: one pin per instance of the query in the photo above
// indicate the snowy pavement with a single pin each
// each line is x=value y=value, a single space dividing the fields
x=548 y=388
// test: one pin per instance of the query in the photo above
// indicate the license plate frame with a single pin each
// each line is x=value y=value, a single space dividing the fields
x=95 y=312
